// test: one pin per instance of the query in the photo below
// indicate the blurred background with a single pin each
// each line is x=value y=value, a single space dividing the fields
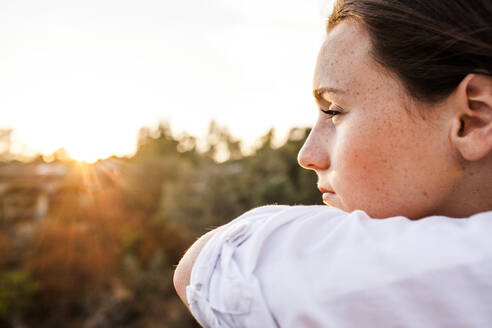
x=130 y=128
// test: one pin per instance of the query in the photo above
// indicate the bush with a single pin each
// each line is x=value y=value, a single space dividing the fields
x=70 y=261
x=4 y=249
x=18 y=290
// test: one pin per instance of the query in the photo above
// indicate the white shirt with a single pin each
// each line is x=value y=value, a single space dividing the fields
x=317 y=266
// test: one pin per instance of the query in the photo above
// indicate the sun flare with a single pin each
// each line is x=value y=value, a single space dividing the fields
x=86 y=155
x=90 y=152
x=82 y=146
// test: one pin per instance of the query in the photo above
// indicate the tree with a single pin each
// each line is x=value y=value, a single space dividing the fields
x=6 y=144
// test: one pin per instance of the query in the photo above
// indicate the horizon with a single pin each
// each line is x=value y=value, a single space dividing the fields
x=201 y=145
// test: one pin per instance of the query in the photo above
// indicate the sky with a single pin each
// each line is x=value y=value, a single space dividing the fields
x=86 y=75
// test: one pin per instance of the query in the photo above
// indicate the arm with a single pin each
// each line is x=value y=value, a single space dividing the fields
x=182 y=273
x=222 y=288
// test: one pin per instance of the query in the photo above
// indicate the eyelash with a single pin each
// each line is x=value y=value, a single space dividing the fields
x=330 y=112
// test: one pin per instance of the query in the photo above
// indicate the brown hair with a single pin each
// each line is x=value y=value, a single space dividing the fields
x=431 y=45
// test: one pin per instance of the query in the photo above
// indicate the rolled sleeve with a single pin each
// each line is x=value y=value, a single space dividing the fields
x=223 y=291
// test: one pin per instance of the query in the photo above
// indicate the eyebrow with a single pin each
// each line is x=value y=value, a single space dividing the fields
x=318 y=93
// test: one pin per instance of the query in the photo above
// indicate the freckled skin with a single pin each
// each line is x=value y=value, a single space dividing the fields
x=379 y=155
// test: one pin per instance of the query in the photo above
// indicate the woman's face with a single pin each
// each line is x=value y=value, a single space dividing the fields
x=370 y=148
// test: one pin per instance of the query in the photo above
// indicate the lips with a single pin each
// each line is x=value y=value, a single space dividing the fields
x=324 y=190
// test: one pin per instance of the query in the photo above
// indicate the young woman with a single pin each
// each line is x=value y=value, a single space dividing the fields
x=404 y=133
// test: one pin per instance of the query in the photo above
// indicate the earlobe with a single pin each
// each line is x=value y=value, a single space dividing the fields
x=472 y=122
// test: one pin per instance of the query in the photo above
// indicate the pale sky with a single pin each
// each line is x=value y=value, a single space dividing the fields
x=88 y=74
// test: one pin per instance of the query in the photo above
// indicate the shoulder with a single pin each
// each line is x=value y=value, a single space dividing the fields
x=266 y=220
x=289 y=226
x=288 y=261
x=282 y=214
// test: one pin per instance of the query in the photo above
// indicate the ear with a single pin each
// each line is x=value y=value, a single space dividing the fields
x=472 y=122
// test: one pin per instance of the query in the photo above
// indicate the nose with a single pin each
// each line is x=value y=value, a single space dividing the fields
x=314 y=153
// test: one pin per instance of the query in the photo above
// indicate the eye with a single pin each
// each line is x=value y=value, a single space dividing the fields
x=332 y=111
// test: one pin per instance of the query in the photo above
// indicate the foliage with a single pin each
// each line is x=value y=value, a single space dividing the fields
x=17 y=292
x=69 y=259
x=4 y=249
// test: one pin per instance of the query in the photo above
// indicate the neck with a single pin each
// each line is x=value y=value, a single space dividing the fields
x=473 y=191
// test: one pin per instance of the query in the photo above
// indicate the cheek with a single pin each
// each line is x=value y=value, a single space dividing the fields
x=388 y=170
x=360 y=165
x=367 y=168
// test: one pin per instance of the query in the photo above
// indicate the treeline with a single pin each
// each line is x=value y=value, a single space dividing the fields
x=105 y=254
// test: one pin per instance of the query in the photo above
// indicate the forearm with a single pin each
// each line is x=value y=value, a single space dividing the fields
x=182 y=273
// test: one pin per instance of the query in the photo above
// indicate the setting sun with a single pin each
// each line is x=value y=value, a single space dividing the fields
x=88 y=141
x=86 y=155
x=89 y=150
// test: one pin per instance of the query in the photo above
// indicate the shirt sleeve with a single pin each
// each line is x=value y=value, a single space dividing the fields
x=224 y=289
x=317 y=266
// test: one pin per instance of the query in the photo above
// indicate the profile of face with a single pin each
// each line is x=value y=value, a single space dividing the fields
x=370 y=147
